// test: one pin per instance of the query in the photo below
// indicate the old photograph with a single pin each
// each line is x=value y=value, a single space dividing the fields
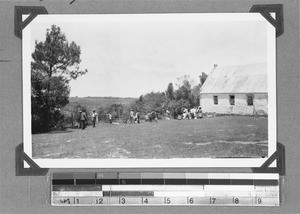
x=149 y=87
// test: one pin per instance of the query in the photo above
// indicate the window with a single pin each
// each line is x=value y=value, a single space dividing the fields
x=250 y=98
x=231 y=100
x=216 y=100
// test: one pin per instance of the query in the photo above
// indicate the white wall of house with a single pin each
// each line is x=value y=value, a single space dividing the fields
x=260 y=104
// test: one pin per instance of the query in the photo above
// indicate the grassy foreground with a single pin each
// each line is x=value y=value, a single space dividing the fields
x=227 y=136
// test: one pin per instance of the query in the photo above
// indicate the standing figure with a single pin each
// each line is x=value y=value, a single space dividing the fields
x=109 y=118
x=137 y=115
x=175 y=113
x=189 y=113
x=184 y=113
x=131 y=116
x=94 y=117
x=156 y=116
x=167 y=114
x=200 y=113
x=79 y=119
x=83 y=119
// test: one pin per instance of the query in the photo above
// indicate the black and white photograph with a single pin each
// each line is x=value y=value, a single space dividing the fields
x=149 y=90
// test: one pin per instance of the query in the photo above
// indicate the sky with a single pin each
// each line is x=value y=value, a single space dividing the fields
x=130 y=55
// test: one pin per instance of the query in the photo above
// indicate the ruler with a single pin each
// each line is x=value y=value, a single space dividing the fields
x=164 y=189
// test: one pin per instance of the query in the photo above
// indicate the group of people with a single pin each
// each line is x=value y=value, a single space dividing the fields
x=183 y=113
x=150 y=116
x=134 y=117
x=187 y=113
x=83 y=118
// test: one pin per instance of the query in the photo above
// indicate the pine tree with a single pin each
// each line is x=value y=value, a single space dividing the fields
x=55 y=63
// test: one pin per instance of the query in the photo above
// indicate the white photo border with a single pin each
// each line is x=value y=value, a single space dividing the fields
x=157 y=163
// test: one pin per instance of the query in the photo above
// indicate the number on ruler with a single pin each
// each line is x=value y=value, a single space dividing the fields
x=236 y=201
x=145 y=200
x=168 y=201
x=212 y=200
x=76 y=200
x=122 y=200
x=259 y=201
x=191 y=200
x=99 y=201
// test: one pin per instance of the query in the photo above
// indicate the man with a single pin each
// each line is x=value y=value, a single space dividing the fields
x=83 y=119
x=131 y=115
x=138 y=117
x=79 y=119
x=94 y=116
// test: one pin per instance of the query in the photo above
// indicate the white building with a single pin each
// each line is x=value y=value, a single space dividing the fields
x=240 y=89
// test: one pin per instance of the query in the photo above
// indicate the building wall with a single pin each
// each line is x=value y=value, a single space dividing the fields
x=260 y=104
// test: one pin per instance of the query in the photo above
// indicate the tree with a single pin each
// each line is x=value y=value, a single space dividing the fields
x=170 y=92
x=56 y=56
x=185 y=88
x=196 y=95
x=55 y=63
x=154 y=101
x=203 y=77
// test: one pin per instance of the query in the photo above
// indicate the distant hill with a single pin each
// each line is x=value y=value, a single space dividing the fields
x=95 y=102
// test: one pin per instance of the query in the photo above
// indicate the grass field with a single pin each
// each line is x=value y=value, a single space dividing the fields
x=227 y=136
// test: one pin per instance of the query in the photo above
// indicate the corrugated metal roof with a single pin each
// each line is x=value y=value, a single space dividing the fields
x=250 y=78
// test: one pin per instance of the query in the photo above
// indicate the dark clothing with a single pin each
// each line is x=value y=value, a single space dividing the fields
x=82 y=124
x=78 y=120
x=138 y=118
x=94 y=121
x=83 y=119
